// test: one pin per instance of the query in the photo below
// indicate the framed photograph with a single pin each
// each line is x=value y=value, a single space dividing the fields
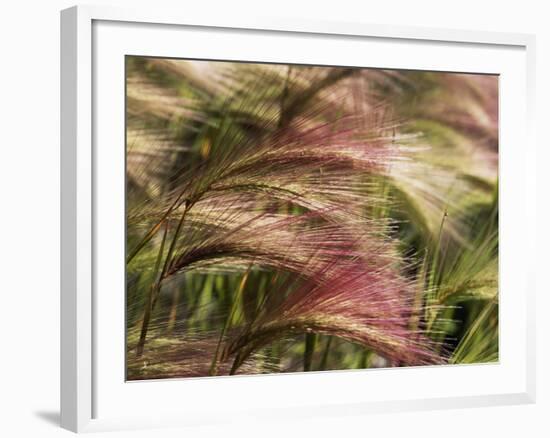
x=271 y=218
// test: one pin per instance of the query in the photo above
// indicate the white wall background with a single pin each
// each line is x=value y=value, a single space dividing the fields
x=29 y=216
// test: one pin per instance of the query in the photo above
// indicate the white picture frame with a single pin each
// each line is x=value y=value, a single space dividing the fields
x=90 y=38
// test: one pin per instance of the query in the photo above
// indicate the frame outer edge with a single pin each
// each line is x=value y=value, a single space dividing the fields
x=68 y=340
x=533 y=281
x=187 y=17
x=76 y=220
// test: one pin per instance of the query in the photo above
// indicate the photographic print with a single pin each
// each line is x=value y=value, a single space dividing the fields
x=296 y=218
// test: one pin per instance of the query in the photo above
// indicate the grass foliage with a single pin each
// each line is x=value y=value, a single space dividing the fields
x=293 y=218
